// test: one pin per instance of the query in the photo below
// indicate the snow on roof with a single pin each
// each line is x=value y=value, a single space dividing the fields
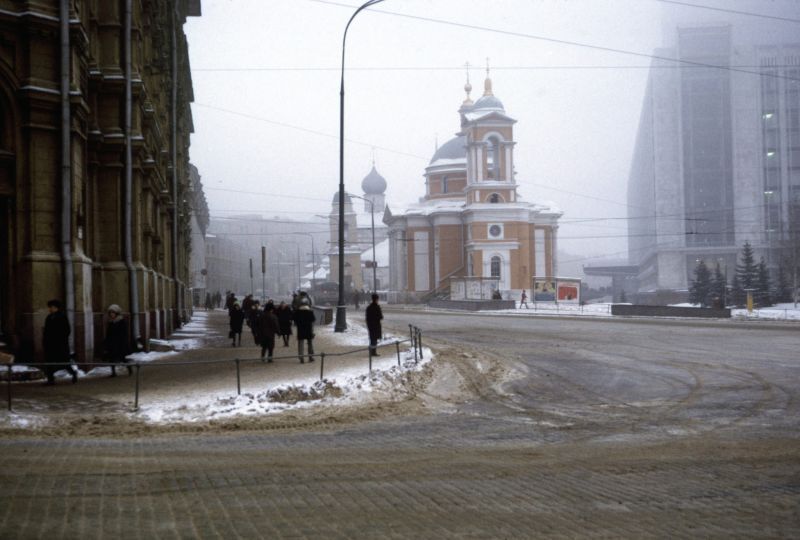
x=322 y=273
x=482 y=113
x=448 y=162
x=381 y=253
x=427 y=208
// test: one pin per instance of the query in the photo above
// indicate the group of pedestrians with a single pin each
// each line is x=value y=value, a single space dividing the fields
x=270 y=322
x=55 y=342
x=273 y=321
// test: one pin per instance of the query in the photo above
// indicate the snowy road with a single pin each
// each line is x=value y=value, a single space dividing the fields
x=526 y=428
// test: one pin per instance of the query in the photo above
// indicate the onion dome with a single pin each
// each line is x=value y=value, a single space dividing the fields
x=373 y=183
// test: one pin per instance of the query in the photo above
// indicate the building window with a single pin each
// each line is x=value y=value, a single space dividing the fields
x=495 y=198
x=493 y=158
x=444 y=184
x=495 y=266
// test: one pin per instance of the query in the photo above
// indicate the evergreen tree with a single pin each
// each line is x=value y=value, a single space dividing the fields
x=762 y=293
x=747 y=271
x=700 y=291
x=719 y=284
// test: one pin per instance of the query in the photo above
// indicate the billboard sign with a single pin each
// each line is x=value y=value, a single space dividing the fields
x=556 y=289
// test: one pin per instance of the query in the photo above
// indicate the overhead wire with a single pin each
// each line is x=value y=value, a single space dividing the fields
x=556 y=40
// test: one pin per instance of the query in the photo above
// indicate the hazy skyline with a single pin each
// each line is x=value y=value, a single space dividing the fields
x=266 y=112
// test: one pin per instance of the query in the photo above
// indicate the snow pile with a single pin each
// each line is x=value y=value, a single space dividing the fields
x=293 y=393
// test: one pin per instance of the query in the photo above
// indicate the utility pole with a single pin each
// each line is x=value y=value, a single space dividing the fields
x=251 y=276
x=374 y=262
x=341 y=309
x=264 y=274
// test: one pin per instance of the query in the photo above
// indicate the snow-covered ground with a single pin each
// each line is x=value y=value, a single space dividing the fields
x=778 y=312
x=347 y=380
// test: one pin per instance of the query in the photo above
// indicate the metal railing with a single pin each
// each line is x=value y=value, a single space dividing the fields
x=415 y=340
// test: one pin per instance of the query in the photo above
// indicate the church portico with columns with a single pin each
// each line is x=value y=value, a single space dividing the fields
x=471 y=221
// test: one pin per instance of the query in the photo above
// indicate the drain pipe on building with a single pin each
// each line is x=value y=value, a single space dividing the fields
x=66 y=175
x=174 y=144
x=128 y=247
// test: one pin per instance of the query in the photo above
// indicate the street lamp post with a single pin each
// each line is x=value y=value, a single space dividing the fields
x=341 y=309
x=372 y=216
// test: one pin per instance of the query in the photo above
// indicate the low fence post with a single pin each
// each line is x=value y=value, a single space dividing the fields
x=8 y=383
x=238 y=379
x=136 y=395
x=419 y=340
x=321 y=365
x=370 y=360
x=397 y=346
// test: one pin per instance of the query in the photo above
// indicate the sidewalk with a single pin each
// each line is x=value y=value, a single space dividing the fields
x=188 y=393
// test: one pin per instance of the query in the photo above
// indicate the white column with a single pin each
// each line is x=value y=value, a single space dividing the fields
x=479 y=164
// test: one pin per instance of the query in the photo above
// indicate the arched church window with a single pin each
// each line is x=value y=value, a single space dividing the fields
x=444 y=184
x=495 y=266
x=493 y=158
x=494 y=198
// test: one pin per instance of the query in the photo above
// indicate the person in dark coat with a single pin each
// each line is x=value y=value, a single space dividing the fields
x=267 y=326
x=304 y=320
x=230 y=299
x=374 y=317
x=117 y=341
x=284 y=314
x=236 y=323
x=247 y=306
x=252 y=320
x=357 y=298
x=56 y=343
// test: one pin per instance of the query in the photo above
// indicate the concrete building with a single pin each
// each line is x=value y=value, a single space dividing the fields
x=225 y=270
x=471 y=222
x=198 y=224
x=288 y=246
x=717 y=155
x=94 y=166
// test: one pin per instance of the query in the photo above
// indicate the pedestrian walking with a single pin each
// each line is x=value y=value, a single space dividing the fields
x=252 y=320
x=374 y=315
x=56 y=342
x=247 y=305
x=304 y=320
x=357 y=298
x=267 y=325
x=116 y=345
x=523 y=300
x=236 y=323
x=230 y=299
x=284 y=314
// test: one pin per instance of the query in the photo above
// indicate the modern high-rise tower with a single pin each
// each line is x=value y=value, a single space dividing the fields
x=717 y=155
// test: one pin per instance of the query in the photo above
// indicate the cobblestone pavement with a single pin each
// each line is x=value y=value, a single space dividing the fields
x=526 y=428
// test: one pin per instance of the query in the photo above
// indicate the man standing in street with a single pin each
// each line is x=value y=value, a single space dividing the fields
x=304 y=320
x=374 y=318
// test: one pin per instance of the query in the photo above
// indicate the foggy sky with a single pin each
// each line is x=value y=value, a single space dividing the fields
x=576 y=126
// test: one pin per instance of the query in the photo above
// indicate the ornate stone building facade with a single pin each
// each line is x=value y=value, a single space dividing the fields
x=471 y=222
x=94 y=102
